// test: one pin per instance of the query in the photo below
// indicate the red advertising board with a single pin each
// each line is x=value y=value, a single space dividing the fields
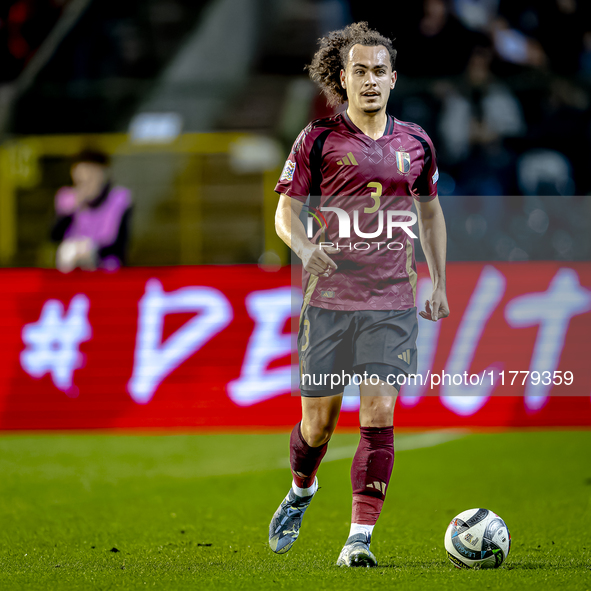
x=210 y=346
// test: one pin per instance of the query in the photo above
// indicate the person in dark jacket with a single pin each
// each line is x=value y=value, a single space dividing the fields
x=93 y=217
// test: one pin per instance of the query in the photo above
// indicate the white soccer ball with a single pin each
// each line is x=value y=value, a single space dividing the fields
x=477 y=538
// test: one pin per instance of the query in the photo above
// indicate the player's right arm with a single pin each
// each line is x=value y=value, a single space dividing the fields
x=290 y=229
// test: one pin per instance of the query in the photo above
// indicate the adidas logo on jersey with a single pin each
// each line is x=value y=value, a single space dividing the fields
x=348 y=160
x=405 y=356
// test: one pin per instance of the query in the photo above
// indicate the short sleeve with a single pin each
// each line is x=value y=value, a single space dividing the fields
x=296 y=178
x=426 y=185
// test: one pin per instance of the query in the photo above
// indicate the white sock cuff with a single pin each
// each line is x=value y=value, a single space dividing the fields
x=305 y=492
x=360 y=528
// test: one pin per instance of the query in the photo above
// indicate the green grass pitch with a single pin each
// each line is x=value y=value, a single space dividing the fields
x=192 y=512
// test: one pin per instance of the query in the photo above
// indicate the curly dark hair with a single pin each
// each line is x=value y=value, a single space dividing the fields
x=332 y=56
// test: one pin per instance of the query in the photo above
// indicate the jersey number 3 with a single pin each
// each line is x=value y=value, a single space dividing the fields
x=375 y=195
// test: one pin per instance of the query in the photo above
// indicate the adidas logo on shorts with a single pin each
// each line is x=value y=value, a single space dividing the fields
x=405 y=356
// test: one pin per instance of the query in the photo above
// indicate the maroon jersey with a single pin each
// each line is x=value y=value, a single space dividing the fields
x=368 y=185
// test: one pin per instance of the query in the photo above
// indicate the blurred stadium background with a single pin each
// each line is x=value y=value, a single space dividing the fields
x=198 y=103
x=501 y=86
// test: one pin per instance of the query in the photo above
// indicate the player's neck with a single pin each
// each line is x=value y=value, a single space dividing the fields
x=371 y=124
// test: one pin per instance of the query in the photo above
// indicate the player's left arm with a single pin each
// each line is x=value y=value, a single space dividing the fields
x=433 y=235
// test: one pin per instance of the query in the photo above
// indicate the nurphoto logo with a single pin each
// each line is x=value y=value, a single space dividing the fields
x=393 y=218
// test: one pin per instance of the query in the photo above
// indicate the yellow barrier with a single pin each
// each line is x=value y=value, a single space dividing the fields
x=20 y=169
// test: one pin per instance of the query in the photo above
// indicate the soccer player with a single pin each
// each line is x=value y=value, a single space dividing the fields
x=359 y=279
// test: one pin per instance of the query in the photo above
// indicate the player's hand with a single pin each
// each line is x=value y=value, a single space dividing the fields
x=317 y=262
x=436 y=308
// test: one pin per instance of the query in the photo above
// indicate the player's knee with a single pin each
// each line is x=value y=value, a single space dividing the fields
x=317 y=432
x=378 y=412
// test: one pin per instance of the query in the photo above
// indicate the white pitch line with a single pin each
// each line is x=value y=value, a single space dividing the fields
x=404 y=443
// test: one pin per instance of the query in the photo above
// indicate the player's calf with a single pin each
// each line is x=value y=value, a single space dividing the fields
x=370 y=476
x=284 y=528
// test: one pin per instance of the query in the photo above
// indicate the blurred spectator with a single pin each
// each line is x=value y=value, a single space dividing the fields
x=564 y=124
x=540 y=34
x=562 y=28
x=477 y=15
x=439 y=46
x=430 y=39
x=545 y=172
x=516 y=48
x=476 y=117
x=92 y=217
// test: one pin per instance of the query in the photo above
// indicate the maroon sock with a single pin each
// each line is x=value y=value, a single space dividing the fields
x=304 y=459
x=370 y=473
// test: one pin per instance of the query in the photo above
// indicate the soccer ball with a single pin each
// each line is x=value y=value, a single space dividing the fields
x=477 y=538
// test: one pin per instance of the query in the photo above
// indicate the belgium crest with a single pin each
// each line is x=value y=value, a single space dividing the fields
x=403 y=161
